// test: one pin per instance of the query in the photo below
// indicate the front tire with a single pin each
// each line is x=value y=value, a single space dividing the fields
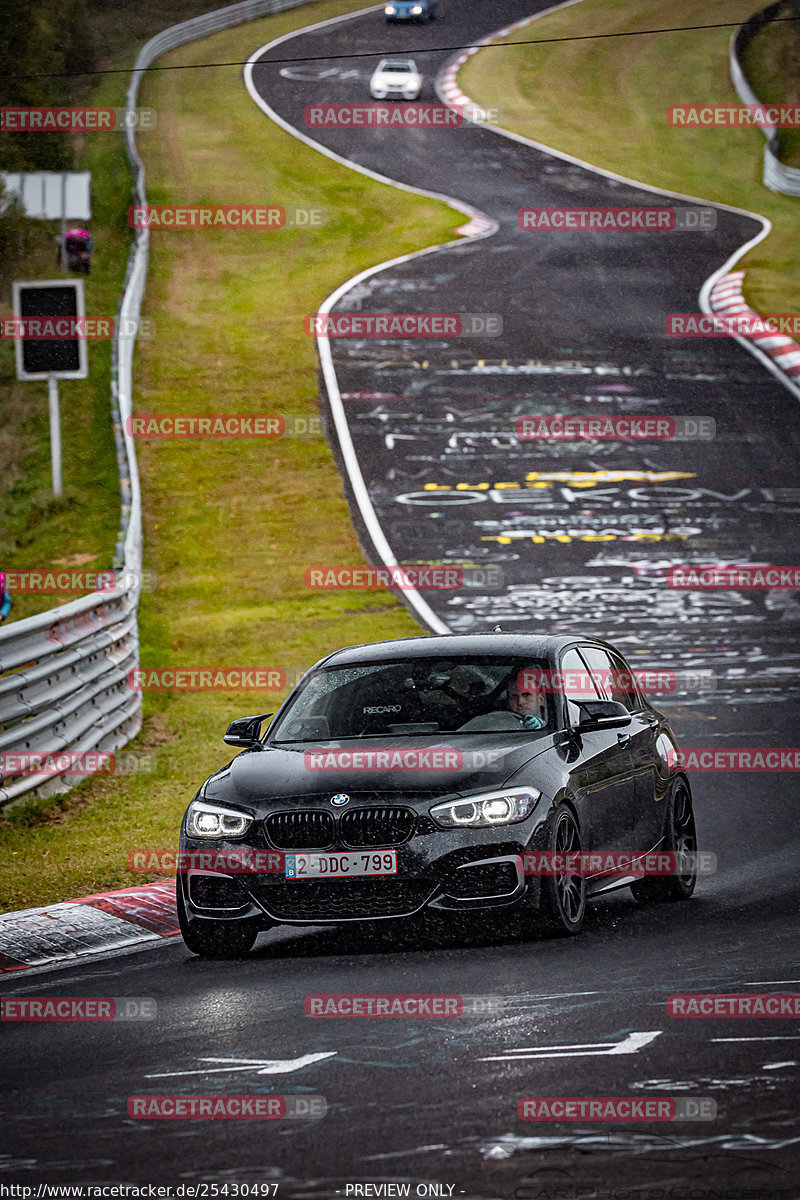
x=214 y=939
x=680 y=838
x=563 y=897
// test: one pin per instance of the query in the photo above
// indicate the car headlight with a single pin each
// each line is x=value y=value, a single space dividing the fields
x=416 y=10
x=209 y=821
x=411 y=84
x=389 y=10
x=492 y=808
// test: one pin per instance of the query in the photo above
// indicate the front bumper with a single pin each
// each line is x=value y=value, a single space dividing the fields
x=448 y=871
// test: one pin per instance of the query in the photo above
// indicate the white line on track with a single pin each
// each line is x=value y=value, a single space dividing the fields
x=263 y=1066
x=632 y=1043
x=777 y=1037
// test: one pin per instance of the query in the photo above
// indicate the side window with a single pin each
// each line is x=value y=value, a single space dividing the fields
x=578 y=684
x=626 y=690
x=613 y=679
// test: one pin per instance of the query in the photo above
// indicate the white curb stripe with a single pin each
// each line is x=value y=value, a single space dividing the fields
x=726 y=296
x=46 y=935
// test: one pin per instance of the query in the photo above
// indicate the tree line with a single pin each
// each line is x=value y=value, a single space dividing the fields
x=43 y=42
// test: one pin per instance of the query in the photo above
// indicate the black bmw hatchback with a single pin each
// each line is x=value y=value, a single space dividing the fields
x=449 y=773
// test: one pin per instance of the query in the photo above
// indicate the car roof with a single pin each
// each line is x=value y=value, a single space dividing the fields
x=406 y=63
x=512 y=645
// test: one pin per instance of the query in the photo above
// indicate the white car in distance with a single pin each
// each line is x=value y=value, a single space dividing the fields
x=395 y=79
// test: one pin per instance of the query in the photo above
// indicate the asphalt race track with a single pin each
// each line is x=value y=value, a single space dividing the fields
x=431 y=1101
x=583 y=333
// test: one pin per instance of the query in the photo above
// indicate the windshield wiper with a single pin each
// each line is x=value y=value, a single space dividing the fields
x=355 y=737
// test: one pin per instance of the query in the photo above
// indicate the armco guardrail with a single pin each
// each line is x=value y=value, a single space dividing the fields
x=63 y=682
x=777 y=176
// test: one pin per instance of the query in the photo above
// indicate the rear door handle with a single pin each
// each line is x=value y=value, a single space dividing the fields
x=623 y=738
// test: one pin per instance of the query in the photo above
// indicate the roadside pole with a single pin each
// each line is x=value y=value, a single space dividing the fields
x=55 y=434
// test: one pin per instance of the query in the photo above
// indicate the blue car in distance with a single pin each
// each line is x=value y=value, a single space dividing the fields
x=410 y=10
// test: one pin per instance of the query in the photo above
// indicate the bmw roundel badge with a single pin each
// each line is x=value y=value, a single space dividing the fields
x=340 y=798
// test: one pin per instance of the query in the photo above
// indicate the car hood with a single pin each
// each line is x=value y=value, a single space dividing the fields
x=256 y=778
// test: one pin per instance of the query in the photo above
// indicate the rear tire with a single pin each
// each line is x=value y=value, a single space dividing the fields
x=215 y=939
x=680 y=838
x=562 y=904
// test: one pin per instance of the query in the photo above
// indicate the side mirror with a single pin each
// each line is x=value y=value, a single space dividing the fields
x=602 y=714
x=245 y=731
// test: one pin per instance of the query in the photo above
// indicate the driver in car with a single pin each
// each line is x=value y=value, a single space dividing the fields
x=530 y=704
x=527 y=707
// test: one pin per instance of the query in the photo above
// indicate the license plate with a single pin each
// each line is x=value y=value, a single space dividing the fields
x=341 y=866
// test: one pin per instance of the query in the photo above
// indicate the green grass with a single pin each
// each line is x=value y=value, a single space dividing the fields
x=80 y=528
x=605 y=101
x=229 y=526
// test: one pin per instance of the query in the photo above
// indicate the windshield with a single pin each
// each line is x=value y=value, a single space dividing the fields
x=405 y=68
x=416 y=698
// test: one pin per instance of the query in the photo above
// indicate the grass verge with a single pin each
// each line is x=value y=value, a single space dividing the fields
x=79 y=529
x=229 y=525
x=605 y=102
